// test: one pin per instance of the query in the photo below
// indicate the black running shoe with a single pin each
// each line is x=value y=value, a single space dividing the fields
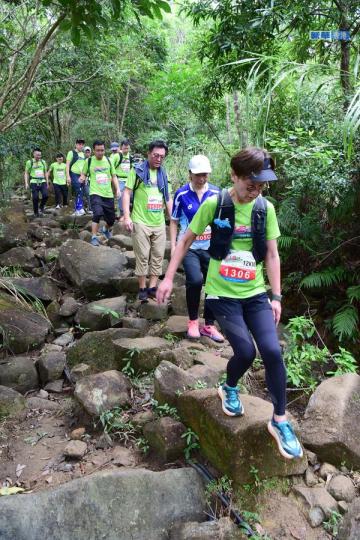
x=143 y=295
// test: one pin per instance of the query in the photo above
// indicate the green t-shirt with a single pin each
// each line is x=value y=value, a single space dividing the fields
x=122 y=169
x=59 y=173
x=148 y=205
x=77 y=167
x=36 y=170
x=238 y=276
x=100 y=174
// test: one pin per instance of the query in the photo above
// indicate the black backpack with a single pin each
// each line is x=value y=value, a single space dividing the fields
x=32 y=164
x=223 y=225
x=75 y=158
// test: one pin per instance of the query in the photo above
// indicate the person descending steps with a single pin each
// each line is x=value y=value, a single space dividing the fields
x=58 y=171
x=100 y=171
x=149 y=185
x=187 y=201
x=123 y=162
x=74 y=165
x=244 y=232
x=36 y=177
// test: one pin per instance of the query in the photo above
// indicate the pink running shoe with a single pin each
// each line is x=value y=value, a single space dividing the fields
x=212 y=332
x=193 y=329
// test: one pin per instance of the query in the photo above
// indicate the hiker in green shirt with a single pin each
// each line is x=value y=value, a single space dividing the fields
x=149 y=185
x=123 y=162
x=102 y=178
x=74 y=164
x=58 y=172
x=36 y=176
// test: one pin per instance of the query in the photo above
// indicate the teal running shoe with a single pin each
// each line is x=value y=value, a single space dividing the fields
x=106 y=233
x=94 y=241
x=231 y=404
x=284 y=435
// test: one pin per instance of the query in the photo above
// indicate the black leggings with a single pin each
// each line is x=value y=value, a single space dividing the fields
x=237 y=318
x=61 y=194
x=35 y=190
x=196 y=264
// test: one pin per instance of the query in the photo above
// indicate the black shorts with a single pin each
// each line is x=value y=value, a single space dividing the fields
x=103 y=207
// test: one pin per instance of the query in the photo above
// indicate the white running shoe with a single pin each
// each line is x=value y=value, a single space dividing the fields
x=57 y=207
x=81 y=212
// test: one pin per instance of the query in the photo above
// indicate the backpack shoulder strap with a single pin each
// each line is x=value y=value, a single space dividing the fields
x=258 y=228
x=75 y=157
x=109 y=162
x=88 y=167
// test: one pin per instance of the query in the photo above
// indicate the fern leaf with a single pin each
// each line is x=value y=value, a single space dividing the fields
x=325 y=278
x=353 y=293
x=345 y=322
x=285 y=242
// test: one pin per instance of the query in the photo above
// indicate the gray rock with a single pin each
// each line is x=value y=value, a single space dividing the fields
x=312 y=458
x=86 y=508
x=176 y=325
x=98 y=348
x=53 y=313
x=19 y=373
x=90 y=268
x=343 y=507
x=165 y=438
x=342 y=488
x=75 y=449
x=123 y=457
x=178 y=302
x=316 y=516
x=327 y=470
x=143 y=352
x=331 y=428
x=51 y=366
x=130 y=255
x=80 y=371
x=170 y=381
x=85 y=236
x=11 y=402
x=42 y=288
x=126 y=285
x=204 y=374
x=153 y=311
x=180 y=357
x=21 y=329
x=55 y=387
x=42 y=404
x=316 y=497
x=69 y=307
x=141 y=418
x=22 y=257
x=12 y=235
x=311 y=479
x=97 y=315
x=65 y=339
x=136 y=322
x=350 y=526
x=122 y=241
x=103 y=391
x=220 y=529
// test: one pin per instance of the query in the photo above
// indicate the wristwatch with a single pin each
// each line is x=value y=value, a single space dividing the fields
x=277 y=297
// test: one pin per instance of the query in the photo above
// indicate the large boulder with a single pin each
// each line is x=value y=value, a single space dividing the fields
x=331 y=425
x=21 y=328
x=350 y=527
x=42 y=288
x=124 y=504
x=144 y=352
x=11 y=402
x=121 y=240
x=97 y=349
x=103 y=391
x=101 y=314
x=90 y=268
x=19 y=373
x=13 y=235
x=21 y=257
x=165 y=436
x=170 y=381
x=236 y=445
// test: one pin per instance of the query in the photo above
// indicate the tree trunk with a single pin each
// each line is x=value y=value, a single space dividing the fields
x=228 y=120
x=126 y=103
x=239 y=129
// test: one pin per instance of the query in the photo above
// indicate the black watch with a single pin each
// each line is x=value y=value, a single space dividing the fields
x=277 y=297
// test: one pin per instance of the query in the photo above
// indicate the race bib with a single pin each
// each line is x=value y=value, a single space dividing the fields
x=39 y=173
x=205 y=236
x=101 y=178
x=125 y=166
x=155 y=203
x=239 y=266
x=61 y=174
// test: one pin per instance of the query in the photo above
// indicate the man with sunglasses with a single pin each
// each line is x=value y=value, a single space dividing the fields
x=149 y=185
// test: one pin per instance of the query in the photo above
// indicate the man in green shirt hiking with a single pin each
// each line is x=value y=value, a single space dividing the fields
x=58 y=172
x=101 y=174
x=74 y=164
x=35 y=176
x=122 y=161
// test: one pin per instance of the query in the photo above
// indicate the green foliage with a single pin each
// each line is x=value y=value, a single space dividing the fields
x=116 y=423
x=333 y=523
x=13 y=271
x=221 y=485
x=171 y=338
x=345 y=363
x=107 y=311
x=345 y=322
x=164 y=410
x=326 y=278
x=192 y=443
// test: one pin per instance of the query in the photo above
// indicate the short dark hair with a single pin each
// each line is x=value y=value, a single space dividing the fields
x=158 y=144
x=98 y=142
x=36 y=149
x=125 y=142
x=250 y=160
x=80 y=141
x=59 y=154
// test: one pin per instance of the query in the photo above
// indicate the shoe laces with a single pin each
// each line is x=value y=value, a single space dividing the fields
x=232 y=393
x=286 y=430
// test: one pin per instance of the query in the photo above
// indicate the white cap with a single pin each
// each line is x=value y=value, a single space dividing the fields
x=199 y=164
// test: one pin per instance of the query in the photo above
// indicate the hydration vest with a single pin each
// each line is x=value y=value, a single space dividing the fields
x=222 y=227
x=31 y=168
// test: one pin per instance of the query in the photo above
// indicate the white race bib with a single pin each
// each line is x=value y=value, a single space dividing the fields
x=205 y=236
x=61 y=174
x=155 y=203
x=239 y=266
x=101 y=178
x=39 y=173
x=125 y=166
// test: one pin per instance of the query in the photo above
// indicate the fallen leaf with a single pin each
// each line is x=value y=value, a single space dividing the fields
x=10 y=490
x=19 y=470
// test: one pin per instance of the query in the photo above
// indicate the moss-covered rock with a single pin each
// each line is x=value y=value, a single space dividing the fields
x=144 y=352
x=11 y=402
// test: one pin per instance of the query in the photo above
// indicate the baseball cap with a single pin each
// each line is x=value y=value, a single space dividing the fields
x=199 y=164
x=267 y=173
x=87 y=148
x=114 y=145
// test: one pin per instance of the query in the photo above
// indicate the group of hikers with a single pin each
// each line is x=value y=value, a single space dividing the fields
x=223 y=237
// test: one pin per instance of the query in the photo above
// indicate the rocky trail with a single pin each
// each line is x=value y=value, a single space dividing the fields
x=103 y=401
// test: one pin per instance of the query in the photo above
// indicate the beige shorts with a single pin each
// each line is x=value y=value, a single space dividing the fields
x=149 y=248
